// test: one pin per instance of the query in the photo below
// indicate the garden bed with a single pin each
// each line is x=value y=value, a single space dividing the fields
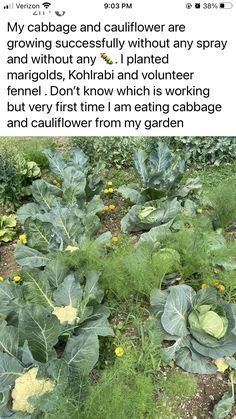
x=87 y=254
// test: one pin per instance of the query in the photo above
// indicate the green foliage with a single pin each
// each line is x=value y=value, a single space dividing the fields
x=121 y=393
x=10 y=178
x=159 y=199
x=175 y=386
x=150 y=215
x=7 y=228
x=202 y=151
x=228 y=279
x=63 y=216
x=223 y=202
x=130 y=270
x=223 y=408
x=113 y=151
x=52 y=307
x=199 y=247
x=29 y=148
x=86 y=258
x=16 y=175
x=202 y=325
x=180 y=384
x=149 y=353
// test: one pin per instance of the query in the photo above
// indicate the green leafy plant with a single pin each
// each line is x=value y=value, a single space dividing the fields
x=48 y=333
x=29 y=148
x=63 y=216
x=223 y=408
x=16 y=175
x=106 y=398
x=130 y=270
x=7 y=228
x=201 y=324
x=159 y=199
x=223 y=208
x=193 y=248
x=203 y=151
x=115 y=152
x=180 y=384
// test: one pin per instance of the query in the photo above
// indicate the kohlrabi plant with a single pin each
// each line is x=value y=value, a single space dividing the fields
x=160 y=174
x=201 y=324
x=7 y=228
x=49 y=332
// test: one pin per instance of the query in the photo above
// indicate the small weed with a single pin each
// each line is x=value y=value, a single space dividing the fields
x=180 y=384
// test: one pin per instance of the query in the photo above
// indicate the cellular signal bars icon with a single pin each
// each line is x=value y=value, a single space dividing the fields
x=9 y=6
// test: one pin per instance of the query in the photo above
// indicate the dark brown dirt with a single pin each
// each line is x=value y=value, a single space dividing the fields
x=210 y=390
x=8 y=265
x=111 y=219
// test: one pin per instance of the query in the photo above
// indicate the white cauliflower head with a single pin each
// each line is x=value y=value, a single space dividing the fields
x=67 y=314
x=26 y=386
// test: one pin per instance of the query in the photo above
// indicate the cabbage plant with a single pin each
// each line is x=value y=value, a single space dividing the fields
x=201 y=325
x=160 y=174
x=152 y=214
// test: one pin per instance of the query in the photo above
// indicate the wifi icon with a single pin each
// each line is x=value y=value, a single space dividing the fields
x=46 y=5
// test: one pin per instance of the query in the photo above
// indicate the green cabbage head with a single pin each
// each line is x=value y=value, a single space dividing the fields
x=145 y=214
x=210 y=319
x=201 y=325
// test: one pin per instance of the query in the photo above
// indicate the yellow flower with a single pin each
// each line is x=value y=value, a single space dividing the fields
x=204 y=286
x=221 y=288
x=1 y=278
x=216 y=283
x=115 y=239
x=216 y=271
x=55 y=182
x=199 y=211
x=110 y=190
x=106 y=208
x=17 y=278
x=221 y=364
x=112 y=207
x=22 y=239
x=106 y=191
x=109 y=183
x=119 y=351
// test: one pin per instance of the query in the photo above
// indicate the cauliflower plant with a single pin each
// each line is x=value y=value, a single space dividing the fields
x=26 y=386
x=67 y=314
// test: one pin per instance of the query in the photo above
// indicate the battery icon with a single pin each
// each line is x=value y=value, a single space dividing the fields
x=226 y=5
